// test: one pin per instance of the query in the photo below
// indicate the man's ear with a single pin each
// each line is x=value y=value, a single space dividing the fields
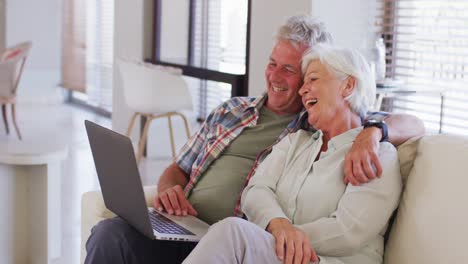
x=349 y=86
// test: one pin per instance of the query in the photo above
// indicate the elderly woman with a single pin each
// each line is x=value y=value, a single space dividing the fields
x=299 y=208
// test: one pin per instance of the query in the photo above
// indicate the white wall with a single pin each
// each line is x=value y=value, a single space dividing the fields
x=350 y=22
x=174 y=32
x=266 y=17
x=39 y=22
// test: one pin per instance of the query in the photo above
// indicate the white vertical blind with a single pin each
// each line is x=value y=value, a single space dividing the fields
x=427 y=47
x=99 y=56
x=219 y=41
x=73 y=75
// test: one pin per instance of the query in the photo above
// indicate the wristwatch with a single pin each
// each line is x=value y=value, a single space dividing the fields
x=380 y=124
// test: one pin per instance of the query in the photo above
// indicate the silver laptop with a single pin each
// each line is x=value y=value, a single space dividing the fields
x=123 y=193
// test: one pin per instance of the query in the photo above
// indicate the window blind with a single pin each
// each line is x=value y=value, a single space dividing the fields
x=87 y=51
x=73 y=75
x=427 y=48
x=99 y=56
x=219 y=43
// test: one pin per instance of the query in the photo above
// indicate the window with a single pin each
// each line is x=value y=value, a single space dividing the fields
x=74 y=46
x=211 y=38
x=219 y=44
x=427 y=47
x=99 y=55
x=87 y=54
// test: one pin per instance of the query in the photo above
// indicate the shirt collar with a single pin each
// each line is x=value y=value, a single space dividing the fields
x=303 y=118
x=258 y=102
x=247 y=107
x=344 y=138
x=261 y=100
x=300 y=122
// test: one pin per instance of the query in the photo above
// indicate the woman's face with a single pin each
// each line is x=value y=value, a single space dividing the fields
x=323 y=95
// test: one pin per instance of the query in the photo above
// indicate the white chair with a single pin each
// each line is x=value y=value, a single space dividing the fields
x=154 y=92
x=12 y=62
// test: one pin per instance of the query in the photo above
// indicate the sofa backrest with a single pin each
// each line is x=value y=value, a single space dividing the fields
x=432 y=220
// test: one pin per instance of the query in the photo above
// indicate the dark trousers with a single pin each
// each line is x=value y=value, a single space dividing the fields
x=114 y=241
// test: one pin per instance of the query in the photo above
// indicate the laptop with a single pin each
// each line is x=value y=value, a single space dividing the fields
x=122 y=190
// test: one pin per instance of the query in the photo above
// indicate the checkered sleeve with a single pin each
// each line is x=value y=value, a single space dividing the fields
x=194 y=146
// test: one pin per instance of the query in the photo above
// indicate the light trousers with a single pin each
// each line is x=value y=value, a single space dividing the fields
x=234 y=240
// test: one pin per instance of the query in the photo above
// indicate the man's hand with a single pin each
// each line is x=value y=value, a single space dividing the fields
x=173 y=201
x=292 y=244
x=171 y=197
x=361 y=157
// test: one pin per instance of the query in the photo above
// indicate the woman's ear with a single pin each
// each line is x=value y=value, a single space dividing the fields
x=349 y=86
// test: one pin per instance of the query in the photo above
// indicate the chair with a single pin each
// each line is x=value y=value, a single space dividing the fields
x=12 y=62
x=153 y=92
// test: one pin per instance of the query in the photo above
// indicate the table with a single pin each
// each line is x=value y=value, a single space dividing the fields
x=30 y=222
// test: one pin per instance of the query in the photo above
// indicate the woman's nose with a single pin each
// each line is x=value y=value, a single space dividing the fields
x=303 y=90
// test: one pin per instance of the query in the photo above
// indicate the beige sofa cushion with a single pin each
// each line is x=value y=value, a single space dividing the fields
x=406 y=155
x=432 y=221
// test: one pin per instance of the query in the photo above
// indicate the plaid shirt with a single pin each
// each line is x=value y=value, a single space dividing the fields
x=220 y=129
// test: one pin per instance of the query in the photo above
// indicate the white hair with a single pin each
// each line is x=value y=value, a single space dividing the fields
x=343 y=62
x=303 y=30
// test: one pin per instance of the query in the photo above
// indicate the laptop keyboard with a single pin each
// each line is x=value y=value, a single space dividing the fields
x=164 y=225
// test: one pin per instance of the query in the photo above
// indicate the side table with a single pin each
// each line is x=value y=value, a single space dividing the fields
x=30 y=206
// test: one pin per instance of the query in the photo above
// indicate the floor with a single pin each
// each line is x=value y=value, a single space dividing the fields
x=65 y=123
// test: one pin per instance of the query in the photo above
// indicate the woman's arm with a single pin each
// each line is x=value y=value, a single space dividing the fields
x=362 y=212
x=259 y=201
x=261 y=206
x=363 y=154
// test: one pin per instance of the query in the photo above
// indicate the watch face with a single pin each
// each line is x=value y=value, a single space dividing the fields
x=372 y=123
x=378 y=124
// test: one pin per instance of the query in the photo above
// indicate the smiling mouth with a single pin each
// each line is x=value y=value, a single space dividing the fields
x=310 y=102
x=278 y=89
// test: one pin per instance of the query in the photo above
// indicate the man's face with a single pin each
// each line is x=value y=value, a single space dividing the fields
x=284 y=78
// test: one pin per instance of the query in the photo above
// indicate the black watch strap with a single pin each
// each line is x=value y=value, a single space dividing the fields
x=379 y=124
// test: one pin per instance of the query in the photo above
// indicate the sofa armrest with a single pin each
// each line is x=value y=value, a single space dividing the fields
x=93 y=210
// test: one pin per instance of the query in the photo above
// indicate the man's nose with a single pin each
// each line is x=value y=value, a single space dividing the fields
x=275 y=75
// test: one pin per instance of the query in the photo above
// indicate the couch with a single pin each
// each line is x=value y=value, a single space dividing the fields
x=431 y=225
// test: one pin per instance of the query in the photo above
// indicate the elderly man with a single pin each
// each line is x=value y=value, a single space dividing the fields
x=209 y=174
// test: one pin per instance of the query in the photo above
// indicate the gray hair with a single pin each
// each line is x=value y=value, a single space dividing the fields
x=343 y=62
x=305 y=30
